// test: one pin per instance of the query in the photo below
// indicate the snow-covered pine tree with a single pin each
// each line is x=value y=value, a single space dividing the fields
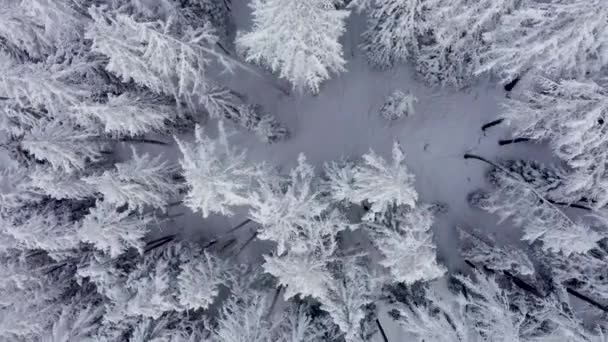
x=478 y=309
x=374 y=181
x=403 y=236
x=223 y=103
x=541 y=219
x=549 y=180
x=305 y=272
x=296 y=39
x=114 y=230
x=142 y=181
x=31 y=297
x=45 y=181
x=47 y=227
x=571 y=116
x=15 y=120
x=244 y=319
x=150 y=55
x=585 y=273
x=130 y=114
x=217 y=175
x=43 y=88
x=172 y=58
x=16 y=193
x=483 y=252
x=397 y=30
x=182 y=11
x=33 y=30
x=557 y=38
x=459 y=40
x=199 y=280
x=300 y=326
x=78 y=321
x=283 y=207
x=63 y=146
x=160 y=281
x=351 y=296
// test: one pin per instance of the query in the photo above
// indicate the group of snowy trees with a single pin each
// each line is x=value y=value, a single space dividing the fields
x=90 y=90
x=305 y=215
x=557 y=52
x=449 y=42
x=452 y=42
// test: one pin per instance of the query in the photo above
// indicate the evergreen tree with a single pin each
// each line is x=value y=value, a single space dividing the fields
x=557 y=38
x=218 y=176
x=374 y=181
x=142 y=181
x=296 y=39
x=570 y=115
x=404 y=238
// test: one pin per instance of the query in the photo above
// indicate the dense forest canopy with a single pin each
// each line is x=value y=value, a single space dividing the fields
x=124 y=121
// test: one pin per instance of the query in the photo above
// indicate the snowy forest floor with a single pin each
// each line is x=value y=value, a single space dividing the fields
x=343 y=121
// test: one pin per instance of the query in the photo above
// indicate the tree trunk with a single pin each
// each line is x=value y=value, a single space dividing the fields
x=143 y=141
x=246 y=244
x=158 y=243
x=492 y=124
x=381 y=330
x=239 y=226
x=509 y=86
x=512 y=141
x=274 y=301
x=586 y=299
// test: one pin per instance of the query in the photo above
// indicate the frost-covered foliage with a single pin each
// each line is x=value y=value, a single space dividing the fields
x=150 y=55
x=460 y=31
x=398 y=105
x=114 y=230
x=91 y=247
x=139 y=182
x=300 y=326
x=130 y=114
x=571 y=116
x=549 y=180
x=176 y=277
x=223 y=103
x=44 y=180
x=42 y=227
x=243 y=319
x=62 y=146
x=218 y=175
x=540 y=218
x=557 y=38
x=299 y=40
x=403 y=236
x=480 y=310
x=43 y=85
x=282 y=209
x=445 y=39
x=75 y=323
x=485 y=253
x=304 y=271
x=172 y=57
x=28 y=296
x=353 y=289
x=374 y=181
x=583 y=272
x=199 y=281
x=32 y=30
x=396 y=30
